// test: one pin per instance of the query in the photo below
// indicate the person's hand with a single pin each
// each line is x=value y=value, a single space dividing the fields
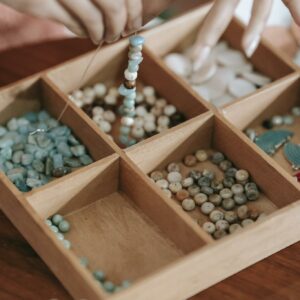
x=220 y=16
x=100 y=19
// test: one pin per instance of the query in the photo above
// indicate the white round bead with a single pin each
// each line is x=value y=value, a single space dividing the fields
x=98 y=118
x=149 y=126
x=97 y=110
x=137 y=132
x=149 y=117
x=110 y=99
x=149 y=91
x=162 y=183
x=105 y=126
x=130 y=76
x=78 y=102
x=78 y=94
x=87 y=100
x=163 y=120
x=150 y=100
x=139 y=97
x=156 y=111
x=161 y=128
x=89 y=92
x=175 y=187
x=187 y=182
x=141 y=111
x=174 y=177
x=109 y=116
x=169 y=109
x=139 y=122
x=188 y=204
x=167 y=192
x=127 y=121
x=161 y=103
x=100 y=89
x=113 y=91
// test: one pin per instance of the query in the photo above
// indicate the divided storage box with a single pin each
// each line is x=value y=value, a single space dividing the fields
x=121 y=220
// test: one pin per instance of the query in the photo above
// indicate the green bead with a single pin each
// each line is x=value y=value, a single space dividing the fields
x=33 y=183
x=99 y=275
x=16 y=174
x=43 y=141
x=33 y=174
x=56 y=219
x=6 y=153
x=109 y=286
x=17 y=156
x=86 y=159
x=38 y=165
x=22 y=186
x=64 y=226
x=12 y=124
x=64 y=149
x=72 y=162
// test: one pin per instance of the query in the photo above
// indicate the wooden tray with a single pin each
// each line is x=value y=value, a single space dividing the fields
x=121 y=220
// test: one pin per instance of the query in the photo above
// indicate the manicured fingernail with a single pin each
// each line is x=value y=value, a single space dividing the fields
x=252 y=46
x=201 y=53
x=113 y=39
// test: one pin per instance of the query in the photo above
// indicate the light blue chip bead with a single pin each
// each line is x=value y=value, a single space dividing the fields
x=33 y=183
x=72 y=162
x=133 y=66
x=41 y=154
x=30 y=149
x=9 y=165
x=43 y=141
x=124 y=91
x=136 y=40
x=15 y=174
x=58 y=161
x=86 y=159
x=12 y=124
x=108 y=286
x=16 y=157
x=124 y=139
x=27 y=159
x=135 y=56
x=43 y=126
x=78 y=150
x=3 y=131
x=6 y=142
x=130 y=103
x=33 y=174
x=51 y=123
x=43 y=116
x=72 y=140
x=124 y=130
x=131 y=142
x=31 y=117
x=38 y=165
x=6 y=153
x=64 y=149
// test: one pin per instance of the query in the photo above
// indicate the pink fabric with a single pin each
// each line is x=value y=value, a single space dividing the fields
x=17 y=29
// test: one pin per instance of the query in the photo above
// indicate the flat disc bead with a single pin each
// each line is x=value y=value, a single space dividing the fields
x=216 y=215
x=200 y=198
x=188 y=204
x=207 y=208
x=173 y=167
x=182 y=194
x=162 y=183
x=124 y=91
x=209 y=227
x=186 y=182
x=156 y=175
x=175 y=187
x=241 y=175
x=174 y=177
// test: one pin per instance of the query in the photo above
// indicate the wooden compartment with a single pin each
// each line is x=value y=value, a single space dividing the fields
x=34 y=94
x=252 y=111
x=180 y=33
x=108 y=66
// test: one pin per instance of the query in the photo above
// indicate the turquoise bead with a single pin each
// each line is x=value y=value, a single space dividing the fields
x=124 y=130
x=6 y=153
x=99 y=275
x=33 y=174
x=3 y=131
x=64 y=226
x=72 y=140
x=58 y=161
x=41 y=154
x=12 y=124
x=78 y=150
x=126 y=284
x=33 y=183
x=31 y=117
x=64 y=149
x=130 y=103
x=18 y=146
x=136 y=40
x=72 y=162
x=27 y=159
x=6 y=142
x=38 y=165
x=56 y=219
x=133 y=66
x=43 y=116
x=109 y=286
x=136 y=56
x=131 y=142
x=124 y=91
x=43 y=141
x=85 y=159
x=60 y=236
x=124 y=139
x=9 y=165
x=22 y=186
x=84 y=261
x=15 y=174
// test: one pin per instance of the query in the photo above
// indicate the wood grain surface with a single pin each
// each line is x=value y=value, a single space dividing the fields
x=23 y=275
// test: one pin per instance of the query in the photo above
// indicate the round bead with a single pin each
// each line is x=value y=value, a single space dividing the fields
x=162 y=183
x=98 y=118
x=163 y=120
x=127 y=121
x=174 y=177
x=215 y=199
x=110 y=99
x=209 y=174
x=182 y=194
x=64 y=226
x=218 y=234
x=109 y=116
x=157 y=175
x=124 y=130
x=226 y=193
x=54 y=228
x=209 y=227
x=188 y=204
x=296 y=111
x=228 y=204
x=242 y=175
x=175 y=187
x=200 y=198
x=277 y=120
x=216 y=186
x=100 y=89
x=187 y=182
x=130 y=76
x=216 y=215
x=67 y=244
x=228 y=182
x=173 y=167
x=217 y=157
x=105 y=126
x=225 y=165
x=262 y=216
x=242 y=212
x=234 y=227
x=254 y=214
x=149 y=91
x=240 y=199
x=108 y=286
x=288 y=120
x=222 y=225
x=201 y=155
x=99 y=275
x=77 y=94
x=204 y=181
x=138 y=132
x=251 y=133
x=150 y=100
x=252 y=194
x=230 y=172
x=97 y=110
x=149 y=126
x=48 y=222
x=60 y=236
x=136 y=40
x=56 y=219
x=169 y=110
x=207 y=208
x=237 y=189
x=247 y=222
x=193 y=190
x=138 y=122
x=190 y=160
x=167 y=192
x=230 y=217
x=141 y=111
x=207 y=190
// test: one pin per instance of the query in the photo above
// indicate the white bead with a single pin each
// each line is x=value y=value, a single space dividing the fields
x=149 y=91
x=149 y=117
x=178 y=64
x=187 y=182
x=97 y=110
x=163 y=120
x=162 y=183
x=89 y=92
x=105 y=126
x=141 y=111
x=137 y=132
x=113 y=91
x=98 y=118
x=127 y=121
x=188 y=204
x=110 y=99
x=156 y=111
x=175 y=187
x=169 y=109
x=150 y=100
x=167 y=192
x=139 y=97
x=139 y=122
x=161 y=103
x=78 y=102
x=100 y=89
x=87 y=100
x=149 y=126
x=78 y=94
x=130 y=76
x=161 y=128
x=174 y=177
x=109 y=116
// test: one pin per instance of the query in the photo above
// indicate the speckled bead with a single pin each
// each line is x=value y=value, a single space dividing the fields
x=228 y=182
x=201 y=155
x=217 y=158
x=208 y=173
x=225 y=165
x=162 y=183
x=216 y=215
x=173 y=167
x=207 y=208
x=200 y=198
x=190 y=160
x=182 y=194
x=230 y=216
x=237 y=189
x=195 y=174
x=193 y=190
x=226 y=193
x=215 y=199
x=240 y=199
x=204 y=181
x=252 y=194
x=174 y=177
x=242 y=176
x=234 y=228
x=188 y=204
x=247 y=222
x=217 y=186
x=99 y=275
x=222 y=225
x=167 y=192
x=187 y=182
x=175 y=187
x=209 y=227
x=230 y=172
x=243 y=212
x=218 y=234
x=228 y=204
x=157 y=175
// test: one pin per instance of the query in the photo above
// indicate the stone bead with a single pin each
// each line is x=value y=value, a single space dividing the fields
x=188 y=204
x=149 y=117
x=222 y=225
x=247 y=222
x=230 y=216
x=200 y=198
x=136 y=40
x=216 y=186
x=204 y=181
x=228 y=182
x=163 y=120
x=162 y=183
x=130 y=76
x=190 y=160
x=217 y=158
x=109 y=116
x=226 y=193
x=124 y=91
x=228 y=204
x=32 y=174
x=167 y=192
x=243 y=212
x=150 y=100
x=169 y=110
x=195 y=174
x=215 y=199
x=109 y=286
x=296 y=111
x=252 y=194
x=182 y=194
x=85 y=159
x=209 y=174
x=174 y=177
x=237 y=189
x=99 y=275
x=207 y=190
x=100 y=89
x=277 y=120
x=161 y=103
x=64 y=226
x=157 y=112
x=149 y=91
x=54 y=228
x=218 y=234
x=173 y=167
x=234 y=227
x=251 y=133
x=216 y=215
x=67 y=244
x=175 y=187
x=133 y=66
x=138 y=132
x=48 y=222
x=12 y=124
x=193 y=190
x=209 y=227
x=241 y=176
x=127 y=121
x=56 y=219
x=78 y=150
x=112 y=100
x=186 y=182
x=72 y=162
x=33 y=183
x=230 y=172
x=156 y=175
x=262 y=216
x=250 y=186
x=225 y=165
x=58 y=161
x=201 y=155
x=26 y=159
x=240 y=199
x=207 y=208
x=141 y=111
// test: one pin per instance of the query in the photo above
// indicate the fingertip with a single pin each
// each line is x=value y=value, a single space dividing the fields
x=201 y=53
x=250 y=45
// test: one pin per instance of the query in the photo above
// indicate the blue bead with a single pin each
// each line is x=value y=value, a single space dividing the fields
x=124 y=130
x=133 y=66
x=131 y=96
x=136 y=40
x=124 y=91
x=123 y=139
x=31 y=117
x=130 y=103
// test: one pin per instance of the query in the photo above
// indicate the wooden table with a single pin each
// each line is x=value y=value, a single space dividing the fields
x=23 y=275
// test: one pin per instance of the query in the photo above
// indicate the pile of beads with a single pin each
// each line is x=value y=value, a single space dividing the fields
x=128 y=89
x=59 y=226
x=152 y=114
x=106 y=284
x=32 y=160
x=224 y=202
